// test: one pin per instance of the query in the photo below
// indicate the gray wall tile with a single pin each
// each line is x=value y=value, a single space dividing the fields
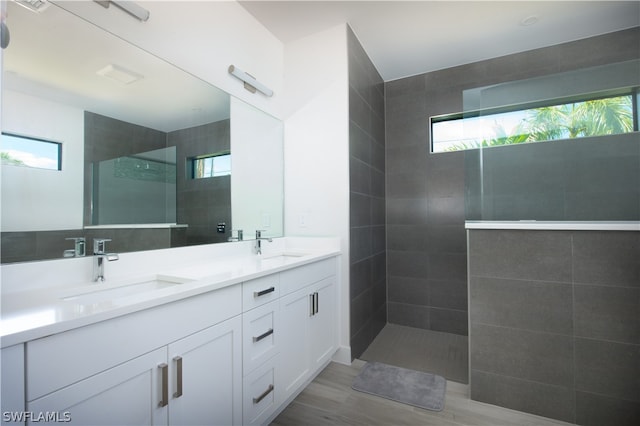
x=367 y=198
x=407 y=314
x=607 y=313
x=534 y=255
x=448 y=294
x=555 y=402
x=540 y=357
x=600 y=410
x=529 y=305
x=449 y=320
x=608 y=368
x=408 y=290
x=607 y=258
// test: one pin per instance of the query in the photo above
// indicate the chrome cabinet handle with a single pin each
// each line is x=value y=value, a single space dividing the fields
x=263 y=395
x=263 y=335
x=178 y=392
x=263 y=292
x=164 y=372
x=312 y=304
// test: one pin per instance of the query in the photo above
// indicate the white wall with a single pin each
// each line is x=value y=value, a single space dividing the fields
x=203 y=38
x=31 y=198
x=317 y=147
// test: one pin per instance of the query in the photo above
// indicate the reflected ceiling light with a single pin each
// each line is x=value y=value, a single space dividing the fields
x=130 y=7
x=250 y=83
x=119 y=74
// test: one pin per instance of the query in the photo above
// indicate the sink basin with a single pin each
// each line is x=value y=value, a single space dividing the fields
x=131 y=288
x=281 y=258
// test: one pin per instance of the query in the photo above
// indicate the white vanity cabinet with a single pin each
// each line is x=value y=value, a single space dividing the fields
x=90 y=372
x=309 y=323
x=12 y=392
x=234 y=355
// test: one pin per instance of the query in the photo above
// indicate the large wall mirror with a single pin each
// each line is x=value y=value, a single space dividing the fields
x=140 y=151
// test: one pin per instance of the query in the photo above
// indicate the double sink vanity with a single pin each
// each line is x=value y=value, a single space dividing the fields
x=211 y=334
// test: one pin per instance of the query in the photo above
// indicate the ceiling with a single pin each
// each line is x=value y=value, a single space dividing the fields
x=56 y=56
x=405 y=38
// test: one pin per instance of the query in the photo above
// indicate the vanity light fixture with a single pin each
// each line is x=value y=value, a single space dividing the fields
x=250 y=83
x=130 y=7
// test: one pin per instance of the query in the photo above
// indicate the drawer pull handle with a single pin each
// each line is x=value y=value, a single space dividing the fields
x=264 y=395
x=263 y=335
x=164 y=372
x=178 y=392
x=263 y=292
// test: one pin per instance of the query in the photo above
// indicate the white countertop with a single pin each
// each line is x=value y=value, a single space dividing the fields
x=555 y=225
x=41 y=311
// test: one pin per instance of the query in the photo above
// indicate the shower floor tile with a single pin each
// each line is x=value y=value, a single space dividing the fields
x=435 y=352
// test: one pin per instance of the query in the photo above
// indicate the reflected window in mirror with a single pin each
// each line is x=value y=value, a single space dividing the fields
x=211 y=166
x=25 y=151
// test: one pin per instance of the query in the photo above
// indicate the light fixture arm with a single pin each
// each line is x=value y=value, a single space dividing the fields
x=132 y=8
x=250 y=83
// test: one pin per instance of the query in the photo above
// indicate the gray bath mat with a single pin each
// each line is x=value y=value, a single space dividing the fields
x=424 y=390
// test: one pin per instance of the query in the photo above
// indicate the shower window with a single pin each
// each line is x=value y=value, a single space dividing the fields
x=211 y=166
x=24 y=151
x=571 y=118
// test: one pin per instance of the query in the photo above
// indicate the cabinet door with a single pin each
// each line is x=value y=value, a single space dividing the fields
x=12 y=388
x=322 y=324
x=295 y=310
x=206 y=376
x=128 y=394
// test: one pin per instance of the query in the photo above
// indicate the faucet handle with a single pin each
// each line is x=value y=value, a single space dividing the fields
x=100 y=245
x=79 y=244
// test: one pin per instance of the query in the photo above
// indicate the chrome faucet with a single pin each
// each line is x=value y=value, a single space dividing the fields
x=259 y=238
x=78 y=249
x=100 y=255
x=239 y=236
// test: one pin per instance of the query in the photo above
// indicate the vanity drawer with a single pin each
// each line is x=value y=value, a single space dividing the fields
x=302 y=276
x=260 y=291
x=260 y=334
x=59 y=360
x=260 y=397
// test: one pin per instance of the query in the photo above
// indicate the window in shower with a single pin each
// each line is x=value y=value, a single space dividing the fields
x=211 y=166
x=571 y=118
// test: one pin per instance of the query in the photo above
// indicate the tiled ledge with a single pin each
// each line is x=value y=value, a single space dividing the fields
x=555 y=225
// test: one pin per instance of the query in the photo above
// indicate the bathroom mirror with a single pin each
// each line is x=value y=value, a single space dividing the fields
x=108 y=104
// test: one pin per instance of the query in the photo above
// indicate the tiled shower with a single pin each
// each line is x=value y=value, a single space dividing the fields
x=428 y=198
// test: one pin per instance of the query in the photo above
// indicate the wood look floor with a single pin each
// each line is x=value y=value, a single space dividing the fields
x=329 y=399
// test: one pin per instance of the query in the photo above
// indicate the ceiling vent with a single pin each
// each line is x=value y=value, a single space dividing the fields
x=119 y=74
x=34 y=5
